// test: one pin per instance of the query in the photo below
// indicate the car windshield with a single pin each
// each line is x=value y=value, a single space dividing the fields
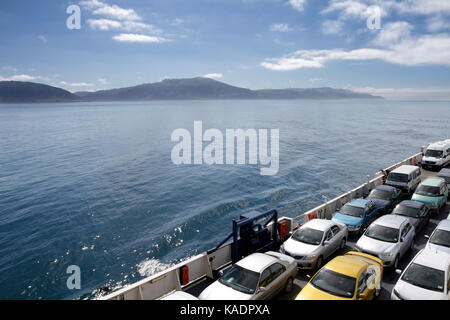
x=397 y=177
x=441 y=238
x=381 y=194
x=382 y=233
x=425 y=190
x=308 y=235
x=334 y=283
x=434 y=153
x=406 y=211
x=240 y=279
x=352 y=211
x=424 y=277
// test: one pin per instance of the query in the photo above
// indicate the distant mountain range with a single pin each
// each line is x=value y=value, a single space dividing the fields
x=169 y=89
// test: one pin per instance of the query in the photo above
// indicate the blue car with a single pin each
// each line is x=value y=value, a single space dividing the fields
x=357 y=214
x=385 y=197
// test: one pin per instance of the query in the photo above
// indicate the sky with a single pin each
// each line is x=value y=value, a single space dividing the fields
x=397 y=49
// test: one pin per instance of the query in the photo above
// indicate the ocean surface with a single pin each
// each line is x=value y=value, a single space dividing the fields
x=93 y=184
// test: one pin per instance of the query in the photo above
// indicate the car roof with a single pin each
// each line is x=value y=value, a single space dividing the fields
x=319 y=224
x=407 y=169
x=432 y=181
x=440 y=145
x=391 y=220
x=433 y=258
x=359 y=202
x=350 y=265
x=444 y=173
x=385 y=187
x=412 y=204
x=256 y=262
x=444 y=225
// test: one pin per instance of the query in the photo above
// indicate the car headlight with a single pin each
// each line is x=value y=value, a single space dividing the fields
x=433 y=205
x=310 y=257
x=354 y=227
x=388 y=254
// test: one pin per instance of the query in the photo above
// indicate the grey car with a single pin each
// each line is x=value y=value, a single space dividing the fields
x=417 y=212
x=389 y=238
x=260 y=276
x=315 y=241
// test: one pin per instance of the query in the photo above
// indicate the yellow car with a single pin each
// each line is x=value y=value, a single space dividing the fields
x=353 y=276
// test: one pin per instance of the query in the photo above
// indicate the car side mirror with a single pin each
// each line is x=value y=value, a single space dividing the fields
x=221 y=273
x=262 y=289
x=291 y=233
x=326 y=242
x=361 y=296
x=308 y=276
x=402 y=239
x=398 y=271
x=427 y=236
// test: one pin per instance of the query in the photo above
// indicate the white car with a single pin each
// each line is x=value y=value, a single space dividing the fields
x=314 y=242
x=260 y=276
x=389 y=238
x=425 y=278
x=437 y=155
x=440 y=238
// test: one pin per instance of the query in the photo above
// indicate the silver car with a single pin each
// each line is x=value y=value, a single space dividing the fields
x=260 y=276
x=440 y=238
x=389 y=238
x=314 y=242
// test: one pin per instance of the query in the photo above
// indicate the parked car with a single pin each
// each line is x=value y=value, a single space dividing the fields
x=425 y=278
x=437 y=155
x=417 y=212
x=356 y=215
x=259 y=276
x=444 y=174
x=314 y=242
x=433 y=192
x=389 y=238
x=353 y=276
x=405 y=177
x=385 y=197
x=440 y=238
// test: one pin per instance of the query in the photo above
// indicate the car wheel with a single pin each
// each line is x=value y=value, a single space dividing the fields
x=319 y=262
x=289 y=285
x=342 y=246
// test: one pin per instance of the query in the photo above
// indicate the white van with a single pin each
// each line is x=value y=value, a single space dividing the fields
x=437 y=155
x=405 y=177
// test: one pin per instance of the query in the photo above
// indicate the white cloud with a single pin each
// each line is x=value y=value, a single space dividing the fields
x=19 y=77
x=102 y=81
x=332 y=26
x=132 y=37
x=298 y=4
x=393 y=33
x=437 y=23
x=110 y=11
x=424 y=50
x=107 y=25
x=81 y=84
x=43 y=38
x=281 y=27
x=213 y=75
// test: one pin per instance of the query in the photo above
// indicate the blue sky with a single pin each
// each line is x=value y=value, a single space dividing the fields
x=249 y=43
